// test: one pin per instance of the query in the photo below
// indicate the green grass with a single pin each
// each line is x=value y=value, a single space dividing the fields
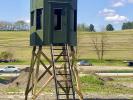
x=119 y=46
x=118 y=71
x=12 y=89
x=127 y=79
x=16 y=63
x=94 y=84
x=91 y=79
x=106 y=62
x=5 y=78
x=91 y=84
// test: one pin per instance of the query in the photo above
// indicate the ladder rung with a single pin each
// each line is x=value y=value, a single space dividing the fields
x=62 y=74
x=59 y=49
x=65 y=94
x=64 y=80
x=66 y=87
x=59 y=68
x=60 y=55
x=62 y=61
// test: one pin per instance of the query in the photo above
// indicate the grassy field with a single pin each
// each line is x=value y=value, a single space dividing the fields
x=106 y=85
x=92 y=84
x=119 y=45
x=17 y=43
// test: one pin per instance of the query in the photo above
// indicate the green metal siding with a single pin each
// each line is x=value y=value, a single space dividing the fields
x=44 y=35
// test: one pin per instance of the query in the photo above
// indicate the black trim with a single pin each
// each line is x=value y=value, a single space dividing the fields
x=32 y=18
x=39 y=13
x=75 y=20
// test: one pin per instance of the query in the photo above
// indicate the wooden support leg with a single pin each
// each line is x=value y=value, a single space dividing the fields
x=30 y=73
x=34 y=78
x=36 y=73
x=75 y=73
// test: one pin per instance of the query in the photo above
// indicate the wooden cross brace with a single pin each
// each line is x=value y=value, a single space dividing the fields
x=34 y=77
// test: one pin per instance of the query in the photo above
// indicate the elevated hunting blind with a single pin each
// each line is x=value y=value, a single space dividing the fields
x=53 y=22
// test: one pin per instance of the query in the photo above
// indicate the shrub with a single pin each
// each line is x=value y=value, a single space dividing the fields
x=6 y=55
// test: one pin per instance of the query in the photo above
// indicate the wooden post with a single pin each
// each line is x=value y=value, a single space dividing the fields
x=75 y=73
x=36 y=72
x=30 y=73
x=34 y=78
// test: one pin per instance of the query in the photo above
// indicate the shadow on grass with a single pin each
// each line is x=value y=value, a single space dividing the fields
x=7 y=81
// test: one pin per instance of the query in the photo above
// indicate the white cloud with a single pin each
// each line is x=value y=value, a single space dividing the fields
x=130 y=1
x=27 y=21
x=116 y=18
x=107 y=12
x=118 y=4
x=111 y=16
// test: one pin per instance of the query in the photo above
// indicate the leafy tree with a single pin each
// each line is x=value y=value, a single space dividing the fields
x=91 y=28
x=19 y=25
x=82 y=27
x=127 y=25
x=109 y=27
x=124 y=26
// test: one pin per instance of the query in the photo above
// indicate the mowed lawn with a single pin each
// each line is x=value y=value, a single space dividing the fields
x=17 y=43
x=119 y=45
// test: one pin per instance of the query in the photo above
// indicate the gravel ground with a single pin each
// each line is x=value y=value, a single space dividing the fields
x=85 y=68
x=103 y=68
x=115 y=74
x=52 y=97
x=23 y=77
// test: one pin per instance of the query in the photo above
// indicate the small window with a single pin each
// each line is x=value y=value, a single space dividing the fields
x=57 y=18
x=75 y=20
x=39 y=19
x=32 y=18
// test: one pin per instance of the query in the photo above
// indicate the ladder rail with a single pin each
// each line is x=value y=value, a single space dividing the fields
x=53 y=63
x=70 y=70
x=68 y=86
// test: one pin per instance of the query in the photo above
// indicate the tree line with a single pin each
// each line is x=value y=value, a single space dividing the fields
x=127 y=25
x=16 y=26
x=109 y=27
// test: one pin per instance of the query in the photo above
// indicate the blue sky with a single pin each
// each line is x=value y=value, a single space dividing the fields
x=12 y=10
x=97 y=12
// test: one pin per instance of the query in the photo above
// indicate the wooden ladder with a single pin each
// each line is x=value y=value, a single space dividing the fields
x=64 y=84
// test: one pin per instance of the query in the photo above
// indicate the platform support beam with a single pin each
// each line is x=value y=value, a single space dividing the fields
x=37 y=61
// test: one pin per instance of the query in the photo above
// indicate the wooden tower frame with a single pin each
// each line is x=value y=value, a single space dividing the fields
x=36 y=62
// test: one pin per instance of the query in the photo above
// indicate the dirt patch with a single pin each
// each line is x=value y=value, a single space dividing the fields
x=21 y=82
x=129 y=84
x=22 y=79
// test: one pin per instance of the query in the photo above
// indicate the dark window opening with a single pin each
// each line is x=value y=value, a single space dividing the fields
x=32 y=18
x=75 y=20
x=57 y=19
x=39 y=19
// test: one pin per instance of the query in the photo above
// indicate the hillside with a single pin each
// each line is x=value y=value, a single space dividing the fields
x=119 y=44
